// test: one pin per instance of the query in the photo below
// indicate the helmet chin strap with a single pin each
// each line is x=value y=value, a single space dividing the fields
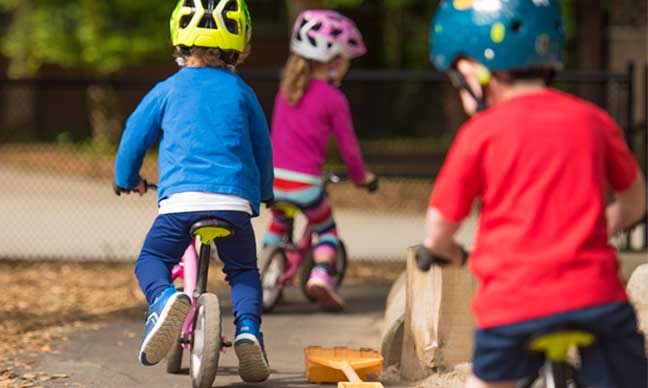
x=460 y=82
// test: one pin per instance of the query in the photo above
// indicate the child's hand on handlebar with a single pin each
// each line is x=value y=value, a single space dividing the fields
x=370 y=182
x=141 y=188
x=426 y=258
x=268 y=202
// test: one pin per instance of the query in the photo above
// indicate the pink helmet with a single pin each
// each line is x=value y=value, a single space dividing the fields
x=322 y=35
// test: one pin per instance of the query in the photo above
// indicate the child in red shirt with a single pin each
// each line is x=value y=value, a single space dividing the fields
x=542 y=163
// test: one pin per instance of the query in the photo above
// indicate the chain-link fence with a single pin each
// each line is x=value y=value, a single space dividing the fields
x=56 y=160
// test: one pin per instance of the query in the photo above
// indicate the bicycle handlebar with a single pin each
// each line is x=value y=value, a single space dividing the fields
x=371 y=186
x=118 y=190
x=426 y=259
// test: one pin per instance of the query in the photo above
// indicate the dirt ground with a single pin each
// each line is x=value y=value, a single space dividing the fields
x=46 y=302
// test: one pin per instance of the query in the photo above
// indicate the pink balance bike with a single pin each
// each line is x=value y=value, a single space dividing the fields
x=279 y=264
x=201 y=333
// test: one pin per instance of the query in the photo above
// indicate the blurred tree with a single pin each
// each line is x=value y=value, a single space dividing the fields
x=96 y=37
x=296 y=6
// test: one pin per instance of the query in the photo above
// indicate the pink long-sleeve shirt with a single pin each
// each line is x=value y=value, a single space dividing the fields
x=300 y=133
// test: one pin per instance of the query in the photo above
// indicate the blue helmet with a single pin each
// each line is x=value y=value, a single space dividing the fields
x=500 y=34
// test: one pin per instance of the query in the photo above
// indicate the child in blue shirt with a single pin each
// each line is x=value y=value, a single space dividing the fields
x=215 y=160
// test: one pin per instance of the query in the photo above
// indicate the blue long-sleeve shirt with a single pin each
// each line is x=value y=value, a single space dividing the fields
x=215 y=137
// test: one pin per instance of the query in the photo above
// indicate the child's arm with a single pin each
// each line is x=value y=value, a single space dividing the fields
x=455 y=189
x=262 y=147
x=142 y=129
x=626 y=181
x=628 y=207
x=346 y=138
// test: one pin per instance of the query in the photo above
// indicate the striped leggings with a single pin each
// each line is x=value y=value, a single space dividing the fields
x=317 y=209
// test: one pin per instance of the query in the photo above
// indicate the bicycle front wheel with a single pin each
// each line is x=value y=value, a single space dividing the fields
x=272 y=264
x=206 y=342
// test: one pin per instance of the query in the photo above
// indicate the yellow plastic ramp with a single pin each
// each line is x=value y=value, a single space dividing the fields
x=347 y=367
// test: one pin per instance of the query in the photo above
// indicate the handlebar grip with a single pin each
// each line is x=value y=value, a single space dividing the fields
x=372 y=186
x=425 y=259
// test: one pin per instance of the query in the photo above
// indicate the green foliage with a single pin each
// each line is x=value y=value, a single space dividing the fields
x=96 y=36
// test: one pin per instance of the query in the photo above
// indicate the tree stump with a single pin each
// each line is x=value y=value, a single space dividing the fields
x=438 y=331
x=392 y=337
x=638 y=293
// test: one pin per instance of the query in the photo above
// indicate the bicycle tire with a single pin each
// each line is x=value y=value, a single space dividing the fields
x=272 y=264
x=174 y=358
x=206 y=342
x=341 y=261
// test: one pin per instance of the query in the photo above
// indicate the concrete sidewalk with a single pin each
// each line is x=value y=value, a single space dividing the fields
x=107 y=357
x=79 y=218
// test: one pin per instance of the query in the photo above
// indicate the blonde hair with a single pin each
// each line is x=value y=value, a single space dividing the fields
x=295 y=78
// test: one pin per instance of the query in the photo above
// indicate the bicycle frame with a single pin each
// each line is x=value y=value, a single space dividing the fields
x=187 y=270
x=295 y=253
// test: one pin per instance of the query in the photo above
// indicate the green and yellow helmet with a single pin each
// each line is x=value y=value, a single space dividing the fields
x=223 y=24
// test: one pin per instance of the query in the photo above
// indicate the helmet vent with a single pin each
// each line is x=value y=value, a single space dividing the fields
x=336 y=32
x=188 y=3
x=516 y=26
x=207 y=20
x=231 y=25
x=312 y=40
x=353 y=42
x=185 y=20
x=298 y=34
x=317 y=27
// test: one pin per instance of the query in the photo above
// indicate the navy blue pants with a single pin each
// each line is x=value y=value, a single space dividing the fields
x=616 y=360
x=168 y=239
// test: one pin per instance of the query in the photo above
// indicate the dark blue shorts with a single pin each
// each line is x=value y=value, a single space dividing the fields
x=616 y=360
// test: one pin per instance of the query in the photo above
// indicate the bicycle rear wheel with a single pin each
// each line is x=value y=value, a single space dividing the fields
x=341 y=261
x=272 y=264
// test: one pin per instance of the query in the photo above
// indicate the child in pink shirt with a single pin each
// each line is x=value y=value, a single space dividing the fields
x=308 y=109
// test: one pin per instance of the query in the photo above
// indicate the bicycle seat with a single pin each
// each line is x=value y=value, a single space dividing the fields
x=556 y=344
x=211 y=229
x=289 y=208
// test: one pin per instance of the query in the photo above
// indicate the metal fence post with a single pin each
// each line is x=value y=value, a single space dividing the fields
x=629 y=125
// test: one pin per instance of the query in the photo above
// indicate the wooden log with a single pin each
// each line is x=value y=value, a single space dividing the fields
x=638 y=293
x=392 y=336
x=438 y=331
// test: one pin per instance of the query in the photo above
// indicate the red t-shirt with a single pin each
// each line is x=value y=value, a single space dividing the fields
x=542 y=165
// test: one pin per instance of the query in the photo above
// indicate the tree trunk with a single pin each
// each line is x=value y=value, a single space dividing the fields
x=18 y=118
x=105 y=115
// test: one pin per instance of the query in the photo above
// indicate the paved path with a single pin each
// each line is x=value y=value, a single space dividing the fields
x=106 y=357
x=47 y=216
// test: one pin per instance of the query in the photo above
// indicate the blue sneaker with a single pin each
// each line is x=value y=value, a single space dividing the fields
x=248 y=344
x=164 y=322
